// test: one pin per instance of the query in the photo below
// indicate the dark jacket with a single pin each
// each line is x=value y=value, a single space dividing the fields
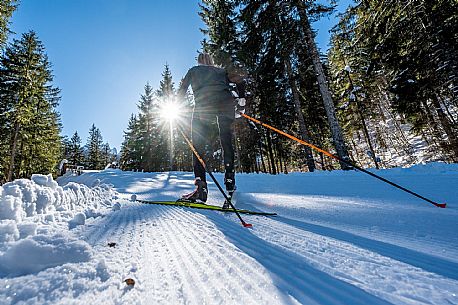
x=209 y=84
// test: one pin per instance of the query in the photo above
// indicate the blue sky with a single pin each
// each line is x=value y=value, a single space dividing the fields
x=103 y=53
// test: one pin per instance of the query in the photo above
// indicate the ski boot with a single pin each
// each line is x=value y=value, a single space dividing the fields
x=199 y=194
x=229 y=181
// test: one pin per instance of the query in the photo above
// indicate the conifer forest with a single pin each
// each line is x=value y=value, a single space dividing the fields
x=383 y=95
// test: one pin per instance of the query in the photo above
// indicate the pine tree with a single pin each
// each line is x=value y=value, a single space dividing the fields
x=7 y=7
x=275 y=43
x=403 y=62
x=30 y=123
x=352 y=86
x=94 y=148
x=223 y=43
x=326 y=95
x=65 y=148
x=166 y=85
x=76 y=152
x=152 y=141
x=166 y=132
x=107 y=157
x=131 y=154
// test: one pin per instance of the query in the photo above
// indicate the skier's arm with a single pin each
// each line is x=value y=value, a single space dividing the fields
x=239 y=82
x=185 y=82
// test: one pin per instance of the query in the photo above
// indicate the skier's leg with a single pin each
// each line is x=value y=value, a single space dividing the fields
x=198 y=126
x=225 y=133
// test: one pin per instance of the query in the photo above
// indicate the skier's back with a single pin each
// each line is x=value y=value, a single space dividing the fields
x=209 y=84
x=213 y=100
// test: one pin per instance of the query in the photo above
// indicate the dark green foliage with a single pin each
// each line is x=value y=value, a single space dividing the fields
x=30 y=125
x=166 y=86
x=94 y=147
x=150 y=140
x=260 y=38
x=392 y=63
x=7 y=7
x=76 y=151
x=403 y=59
x=130 y=150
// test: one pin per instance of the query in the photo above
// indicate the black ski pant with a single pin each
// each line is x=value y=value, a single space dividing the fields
x=204 y=115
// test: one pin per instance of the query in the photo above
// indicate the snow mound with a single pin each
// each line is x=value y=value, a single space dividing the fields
x=44 y=181
x=33 y=210
x=78 y=220
x=40 y=252
x=8 y=231
x=11 y=208
x=116 y=206
x=42 y=195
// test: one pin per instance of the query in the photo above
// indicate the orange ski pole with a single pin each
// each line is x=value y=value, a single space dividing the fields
x=440 y=205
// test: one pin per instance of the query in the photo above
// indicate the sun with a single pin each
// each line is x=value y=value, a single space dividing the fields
x=170 y=111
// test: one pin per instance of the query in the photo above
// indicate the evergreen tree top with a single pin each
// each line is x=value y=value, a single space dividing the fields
x=166 y=85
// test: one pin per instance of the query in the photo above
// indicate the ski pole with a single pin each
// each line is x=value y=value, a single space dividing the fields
x=440 y=205
x=245 y=224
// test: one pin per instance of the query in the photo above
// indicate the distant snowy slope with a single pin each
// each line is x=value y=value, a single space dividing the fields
x=339 y=238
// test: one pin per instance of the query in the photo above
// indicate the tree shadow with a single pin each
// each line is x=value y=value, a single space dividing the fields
x=290 y=272
x=421 y=260
x=418 y=259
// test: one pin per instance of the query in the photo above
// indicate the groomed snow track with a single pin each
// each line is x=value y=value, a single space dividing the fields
x=319 y=250
x=180 y=256
x=183 y=256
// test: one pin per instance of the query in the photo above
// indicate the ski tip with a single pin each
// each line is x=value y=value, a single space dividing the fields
x=441 y=205
x=247 y=225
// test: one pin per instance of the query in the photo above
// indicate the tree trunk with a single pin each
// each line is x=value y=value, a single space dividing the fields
x=363 y=122
x=436 y=134
x=447 y=127
x=273 y=169
x=279 y=158
x=256 y=167
x=262 y=157
x=17 y=126
x=337 y=135
x=302 y=127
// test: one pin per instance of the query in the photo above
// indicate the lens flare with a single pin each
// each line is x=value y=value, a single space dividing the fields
x=170 y=111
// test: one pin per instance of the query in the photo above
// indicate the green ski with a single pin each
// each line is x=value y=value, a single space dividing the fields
x=196 y=205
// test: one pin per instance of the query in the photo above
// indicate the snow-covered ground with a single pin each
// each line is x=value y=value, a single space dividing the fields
x=339 y=238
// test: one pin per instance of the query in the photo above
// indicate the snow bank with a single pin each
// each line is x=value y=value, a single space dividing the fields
x=41 y=252
x=31 y=211
x=42 y=195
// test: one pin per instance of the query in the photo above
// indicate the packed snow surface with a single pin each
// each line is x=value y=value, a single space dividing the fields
x=339 y=238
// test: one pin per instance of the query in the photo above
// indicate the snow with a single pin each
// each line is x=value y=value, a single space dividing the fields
x=339 y=238
x=78 y=220
x=33 y=214
x=116 y=206
x=40 y=252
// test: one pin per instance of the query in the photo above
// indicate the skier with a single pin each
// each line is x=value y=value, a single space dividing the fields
x=213 y=99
